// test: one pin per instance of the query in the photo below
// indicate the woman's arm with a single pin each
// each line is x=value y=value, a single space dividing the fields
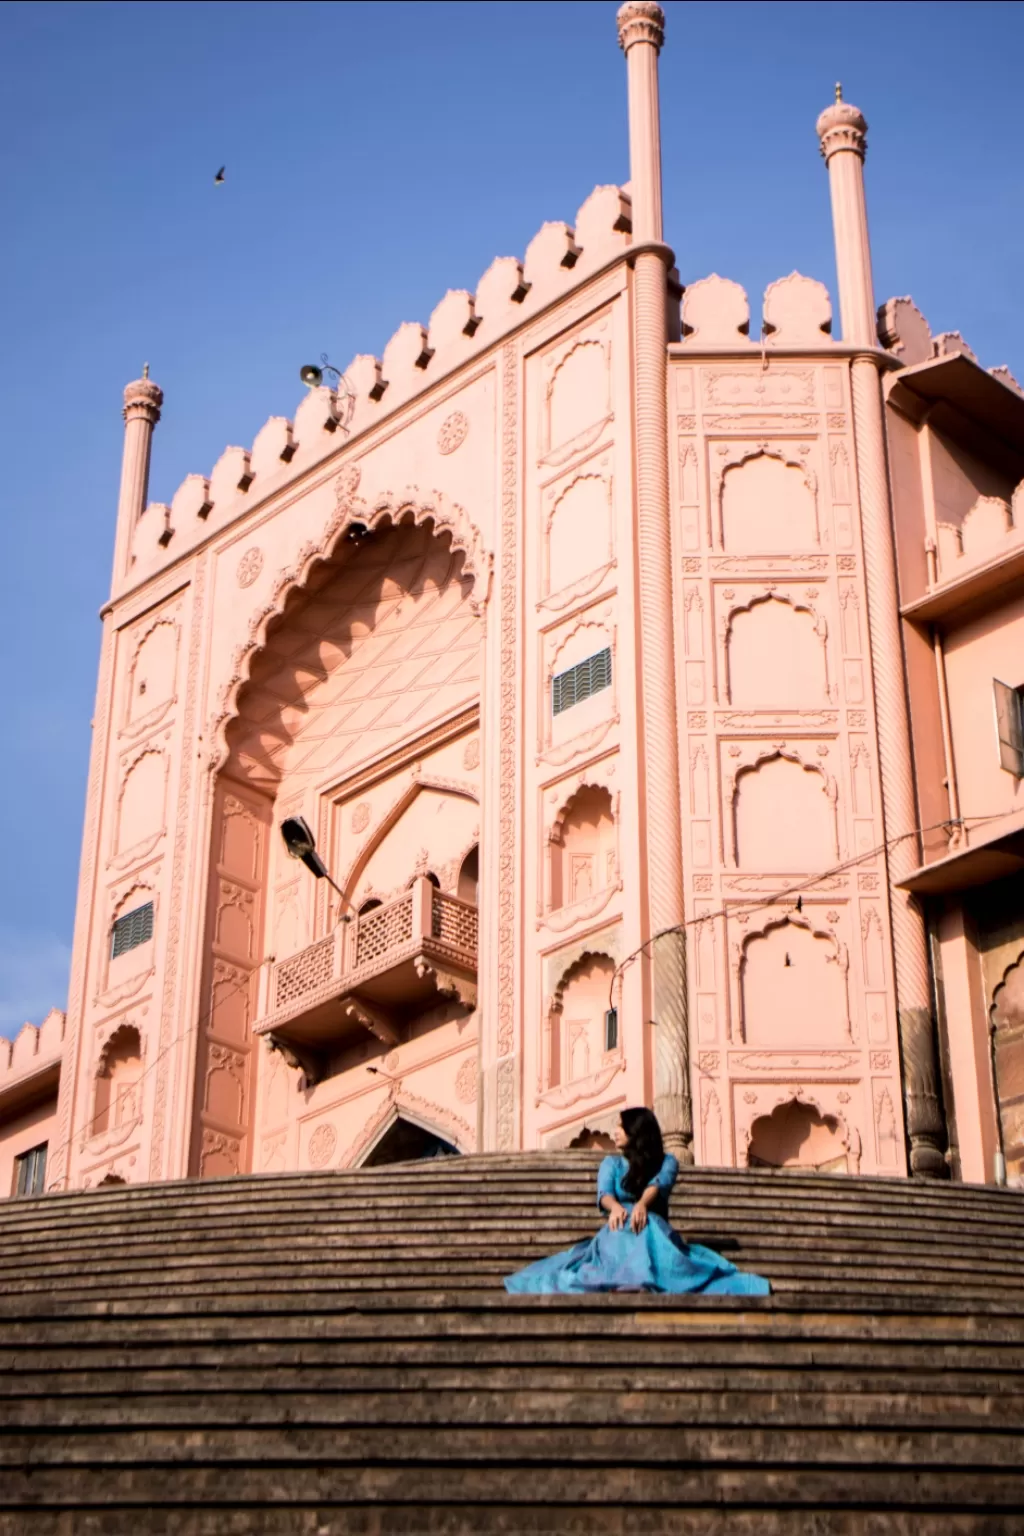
x=638 y=1220
x=616 y=1212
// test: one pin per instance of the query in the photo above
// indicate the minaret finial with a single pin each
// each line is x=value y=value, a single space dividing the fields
x=145 y=370
x=839 y=90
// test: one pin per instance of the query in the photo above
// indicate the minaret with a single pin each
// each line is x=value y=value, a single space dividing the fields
x=142 y=402
x=641 y=33
x=842 y=131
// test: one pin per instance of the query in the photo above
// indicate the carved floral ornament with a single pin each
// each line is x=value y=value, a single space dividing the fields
x=249 y=567
x=453 y=432
x=411 y=505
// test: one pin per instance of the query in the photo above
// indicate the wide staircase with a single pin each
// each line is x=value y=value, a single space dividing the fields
x=334 y=1353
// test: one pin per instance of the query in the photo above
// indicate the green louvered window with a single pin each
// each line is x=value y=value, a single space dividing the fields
x=135 y=928
x=579 y=682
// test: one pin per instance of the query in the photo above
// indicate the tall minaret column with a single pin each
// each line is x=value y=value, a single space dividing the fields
x=641 y=33
x=843 y=134
x=142 y=402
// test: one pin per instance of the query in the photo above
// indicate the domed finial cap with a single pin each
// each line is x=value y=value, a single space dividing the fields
x=640 y=21
x=842 y=126
x=143 y=398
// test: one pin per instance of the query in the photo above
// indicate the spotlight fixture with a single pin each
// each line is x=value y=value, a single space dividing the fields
x=300 y=844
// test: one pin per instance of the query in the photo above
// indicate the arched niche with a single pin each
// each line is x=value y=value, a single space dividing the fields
x=152 y=677
x=767 y=507
x=579 y=532
x=578 y=394
x=775 y=656
x=116 y=1096
x=793 y=988
x=576 y=1045
x=584 y=859
x=797 y=1135
x=468 y=885
x=784 y=818
x=141 y=807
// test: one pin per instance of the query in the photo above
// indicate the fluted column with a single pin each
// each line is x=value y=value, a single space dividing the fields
x=842 y=131
x=142 y=402
x=641 y=33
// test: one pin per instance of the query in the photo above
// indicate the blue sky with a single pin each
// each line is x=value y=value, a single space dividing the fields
x=378 y=154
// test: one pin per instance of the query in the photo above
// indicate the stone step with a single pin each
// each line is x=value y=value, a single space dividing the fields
x=431 y=1250
x=378 y=1371
x=383 y=1518
x=470 y=1271
x=388 y=1519
x=318 y=1446
x=117 y=1350
x=331 y=1227
x=861 y=1404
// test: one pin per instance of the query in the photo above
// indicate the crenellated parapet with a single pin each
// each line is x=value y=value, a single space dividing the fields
x=796 y=315
x=463 y=326
x=34 y=1051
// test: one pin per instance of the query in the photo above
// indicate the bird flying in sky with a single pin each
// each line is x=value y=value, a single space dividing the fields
x=218 y=180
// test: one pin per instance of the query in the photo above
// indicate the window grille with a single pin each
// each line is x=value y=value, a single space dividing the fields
x=130 y=931
x=611 y=1029
x=579 y=682
x=1010 y=725
x=30 y=1171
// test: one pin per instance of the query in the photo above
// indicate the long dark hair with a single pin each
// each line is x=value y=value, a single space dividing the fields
x=644 y=1150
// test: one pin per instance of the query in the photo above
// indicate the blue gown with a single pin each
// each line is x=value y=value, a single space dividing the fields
x=656 y=1259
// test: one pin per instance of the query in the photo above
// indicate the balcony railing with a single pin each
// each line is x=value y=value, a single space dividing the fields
x=393 y=959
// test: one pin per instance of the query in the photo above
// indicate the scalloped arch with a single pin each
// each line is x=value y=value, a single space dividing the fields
x=573 y=970
x=411 y=505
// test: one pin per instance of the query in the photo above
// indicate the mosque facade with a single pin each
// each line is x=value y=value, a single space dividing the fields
x=642 y=680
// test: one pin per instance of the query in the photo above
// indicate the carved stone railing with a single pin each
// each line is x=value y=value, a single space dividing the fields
x=424 y=932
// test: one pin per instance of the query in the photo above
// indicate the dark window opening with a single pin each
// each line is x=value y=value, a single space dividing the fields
x=579 y=682
x=130 y=931
x=30 y=1171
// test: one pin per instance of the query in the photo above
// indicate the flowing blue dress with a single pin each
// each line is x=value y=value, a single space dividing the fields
x=656 y=1259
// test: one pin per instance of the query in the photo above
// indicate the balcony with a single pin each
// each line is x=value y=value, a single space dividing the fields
x=372 y=973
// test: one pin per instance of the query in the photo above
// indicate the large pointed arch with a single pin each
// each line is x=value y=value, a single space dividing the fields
x=410 y=506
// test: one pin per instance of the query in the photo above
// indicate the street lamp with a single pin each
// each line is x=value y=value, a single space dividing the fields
x=300 y=844
x=313 y=376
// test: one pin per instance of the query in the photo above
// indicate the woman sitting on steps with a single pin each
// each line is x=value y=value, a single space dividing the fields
x=636 y=1250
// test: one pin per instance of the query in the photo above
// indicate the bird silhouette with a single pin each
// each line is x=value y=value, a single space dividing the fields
x=218 y=180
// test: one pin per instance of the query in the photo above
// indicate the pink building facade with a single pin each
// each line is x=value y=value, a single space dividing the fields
x=576 y=629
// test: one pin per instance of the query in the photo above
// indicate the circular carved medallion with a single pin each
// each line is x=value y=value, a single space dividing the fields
x=465 y=1082
x=249 y=566
x=322 y=1144
x=453 y=432
x=361 y=817
x=471 y=754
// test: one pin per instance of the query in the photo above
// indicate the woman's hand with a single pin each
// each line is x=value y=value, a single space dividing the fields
x=616 y=1217
x=638 y=1220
